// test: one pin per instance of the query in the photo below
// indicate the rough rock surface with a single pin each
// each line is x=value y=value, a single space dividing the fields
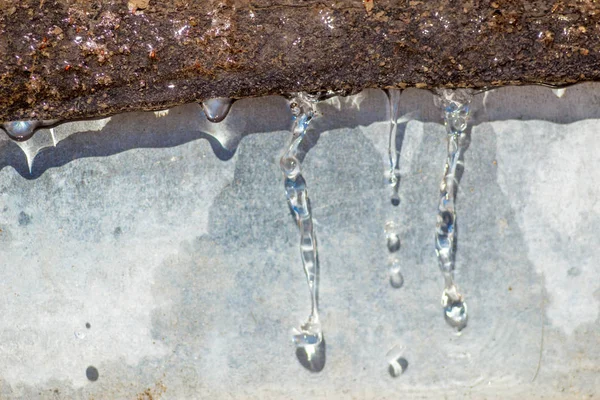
x=70 y=59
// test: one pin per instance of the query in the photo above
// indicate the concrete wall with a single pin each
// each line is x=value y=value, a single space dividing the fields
x=158 y=249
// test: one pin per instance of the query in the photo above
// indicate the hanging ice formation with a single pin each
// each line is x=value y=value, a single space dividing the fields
x=393 y=180
x=393 y=175
x=309 y=340
x=455 y=111
x=22 y=132
x=216 y=109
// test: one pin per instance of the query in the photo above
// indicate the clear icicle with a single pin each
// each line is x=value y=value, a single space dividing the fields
x=560 y=92
x=308 y=338
x=393 y=180
x=455 y=110
x=393 y=175
x=43 y=139
x=217 y=109
x=29 y=155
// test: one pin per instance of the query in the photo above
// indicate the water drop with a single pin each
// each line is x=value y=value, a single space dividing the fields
x=312 y=356
x=396 y=278
x=456 y=314
x=392 y=237
x=393 y=242
x=457 y=124
x=455 y=309
x=295 y=109
x=24 y=130
x=217 y=109
x=20 y=130
x=290 y=166
x=310 y=345
x=397 y=367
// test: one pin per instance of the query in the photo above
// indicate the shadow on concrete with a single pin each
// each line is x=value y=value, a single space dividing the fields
x=269 y=114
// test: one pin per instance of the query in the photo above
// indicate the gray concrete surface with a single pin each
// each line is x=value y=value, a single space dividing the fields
x=178 y=251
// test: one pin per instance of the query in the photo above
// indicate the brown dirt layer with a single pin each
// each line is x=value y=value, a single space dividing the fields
x=70 y=59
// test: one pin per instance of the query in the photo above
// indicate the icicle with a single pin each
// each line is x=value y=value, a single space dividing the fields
x=393 y=153
x=309 y=339
x=24 y=130
x=455 y=110
x=559 y=92
x=31 y=148
x=217 y=109
x=29 y=155
x=393 y=180
x=161 y=113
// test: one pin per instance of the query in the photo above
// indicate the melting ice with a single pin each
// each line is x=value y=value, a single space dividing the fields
x=217 y=109
x=455 y=111
x=24 y=130
x=310 y=344
x=393 y=180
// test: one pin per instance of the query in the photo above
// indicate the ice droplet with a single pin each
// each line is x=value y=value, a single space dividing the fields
x=392 y=237
x=455 y=309
x=21 y=131
x=397 y=367
x=217 y=109
x=396 y=278
x=79 y=335
x=397 y=364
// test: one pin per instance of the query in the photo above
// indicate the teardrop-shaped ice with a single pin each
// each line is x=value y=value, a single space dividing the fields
x=397 y=364
x=456 y=314
x=455 y=308
x=397 y=367
x=392 y=237
x=23 y=130
x=20 y=130
x=216 y=109
x=396 y=278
